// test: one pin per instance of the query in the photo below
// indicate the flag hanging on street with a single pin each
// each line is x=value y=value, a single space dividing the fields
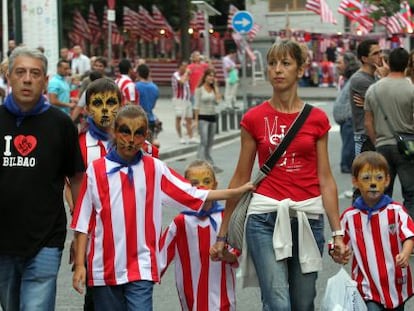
x=146 y=23
x=356 y=11
x=94 y=26
x=197 y=22
x=160 y=21
x=80 y=26
x=131 y=22
x=321 y=8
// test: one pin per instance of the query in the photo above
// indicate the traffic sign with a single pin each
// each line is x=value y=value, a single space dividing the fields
x=242 y=21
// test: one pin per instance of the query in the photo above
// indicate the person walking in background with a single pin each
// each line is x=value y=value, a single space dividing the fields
x=393 y=94
x=58 y=89
x=149 y=94
x=196 y=70
x=130 y=95
x=409 y=72
x=290 y=203
x=40 y=149
x=182 y=103
x=231 y=76
x=80 y=63
x=369 y=54
x=347 y=65
x=202 y=284
x=129 y=217
x=380 y=233
x=207 y=97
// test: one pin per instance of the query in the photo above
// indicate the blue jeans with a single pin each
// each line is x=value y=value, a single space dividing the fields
x=130 y=296
x=373 y=306
x=29 y=284
x=404 y=168
x=348 y=145
x=283 y=286
x=206 y=130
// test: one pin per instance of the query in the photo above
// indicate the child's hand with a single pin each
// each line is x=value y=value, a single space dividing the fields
x=246 y=187
x=402 y=259
x=79 y=277
x=340 y=253
x=215 y=251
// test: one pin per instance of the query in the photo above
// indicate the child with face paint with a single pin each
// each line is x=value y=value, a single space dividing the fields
x=380 y=233
x=120 y=209
x=202 y=284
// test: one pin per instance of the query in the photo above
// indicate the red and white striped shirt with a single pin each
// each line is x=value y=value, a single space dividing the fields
x=180 y=90
x=123 y=220
x=202 y=284
x=92 y=148
x=129 y=92
x=375 y=243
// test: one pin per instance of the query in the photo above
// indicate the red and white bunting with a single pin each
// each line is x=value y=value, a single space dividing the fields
x=321 y=8
x=80 y=26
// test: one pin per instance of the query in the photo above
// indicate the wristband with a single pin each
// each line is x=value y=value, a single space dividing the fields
x=221 y=239
x=338 y=232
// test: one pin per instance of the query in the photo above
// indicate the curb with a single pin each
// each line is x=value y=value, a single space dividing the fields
x=182 y=150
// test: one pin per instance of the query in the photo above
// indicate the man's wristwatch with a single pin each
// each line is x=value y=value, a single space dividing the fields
x=338 y=232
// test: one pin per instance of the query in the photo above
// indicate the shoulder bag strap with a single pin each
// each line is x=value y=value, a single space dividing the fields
x=297 y=124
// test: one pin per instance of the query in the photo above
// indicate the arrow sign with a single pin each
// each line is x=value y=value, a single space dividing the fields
x=242 y=21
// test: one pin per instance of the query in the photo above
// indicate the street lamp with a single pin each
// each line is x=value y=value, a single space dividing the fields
x=208 y=10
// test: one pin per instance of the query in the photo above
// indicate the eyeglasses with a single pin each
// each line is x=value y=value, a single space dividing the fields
x=375 y=53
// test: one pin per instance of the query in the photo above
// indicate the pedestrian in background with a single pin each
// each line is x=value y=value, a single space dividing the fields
x=347 y=65
x=40 y=149
x=127 y=221
x=182 y=104
x=149 y=94
x=207 y=97
x=202 y=284
x=395 y=95
x=231 y=76
x=130 y=95
x=289 y=204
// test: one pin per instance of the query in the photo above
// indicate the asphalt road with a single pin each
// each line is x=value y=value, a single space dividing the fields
x=225 y=155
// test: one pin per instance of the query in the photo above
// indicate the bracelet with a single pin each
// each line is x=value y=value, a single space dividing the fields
x=221 y=238
x=338 y=232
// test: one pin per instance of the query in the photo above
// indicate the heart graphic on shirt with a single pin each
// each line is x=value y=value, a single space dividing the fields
x=25 y=144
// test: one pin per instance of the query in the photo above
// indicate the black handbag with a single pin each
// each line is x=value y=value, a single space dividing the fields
x=405 y=142
x=238 y=217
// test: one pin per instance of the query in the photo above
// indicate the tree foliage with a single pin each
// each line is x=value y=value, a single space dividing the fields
x=386 y=8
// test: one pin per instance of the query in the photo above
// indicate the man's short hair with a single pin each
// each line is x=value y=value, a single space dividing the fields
x=143 y=71
x=28 y=52
x=398 y=59
x=364 y=48
x=124 y=66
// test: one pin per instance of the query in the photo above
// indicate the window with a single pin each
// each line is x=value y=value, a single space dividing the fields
x=280 y=5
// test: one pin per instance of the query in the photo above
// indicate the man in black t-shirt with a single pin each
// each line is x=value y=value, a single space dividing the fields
x=40 y=148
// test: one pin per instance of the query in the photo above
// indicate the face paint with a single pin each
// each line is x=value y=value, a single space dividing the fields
x=372 y=183
x=130 y=135
x=103 y=108
x=201 y=177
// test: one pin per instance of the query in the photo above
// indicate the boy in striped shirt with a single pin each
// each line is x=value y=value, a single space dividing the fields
x=202 y=284
x=380 y=233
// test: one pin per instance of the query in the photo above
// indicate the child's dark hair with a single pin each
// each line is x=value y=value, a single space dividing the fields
x=199 y=163
x=373 y=159
x=102 y=85
x=143 y=71
x=130 y=112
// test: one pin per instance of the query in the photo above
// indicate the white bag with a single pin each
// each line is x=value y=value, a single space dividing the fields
x=341 y=294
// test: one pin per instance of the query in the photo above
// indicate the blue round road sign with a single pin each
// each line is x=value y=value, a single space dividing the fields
x=242 y=21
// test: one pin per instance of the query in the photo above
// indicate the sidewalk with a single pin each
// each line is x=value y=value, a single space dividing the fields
x=169 y=142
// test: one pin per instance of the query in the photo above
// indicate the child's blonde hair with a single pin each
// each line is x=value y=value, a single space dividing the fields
x=200 y=164
x=373 y=159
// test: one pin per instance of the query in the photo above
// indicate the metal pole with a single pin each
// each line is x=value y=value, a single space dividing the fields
x=5 y=26
x=109 y=42
x=206 y=36
x=244 y=66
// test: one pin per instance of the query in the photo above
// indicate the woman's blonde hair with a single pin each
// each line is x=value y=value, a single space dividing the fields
x=281 y=49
